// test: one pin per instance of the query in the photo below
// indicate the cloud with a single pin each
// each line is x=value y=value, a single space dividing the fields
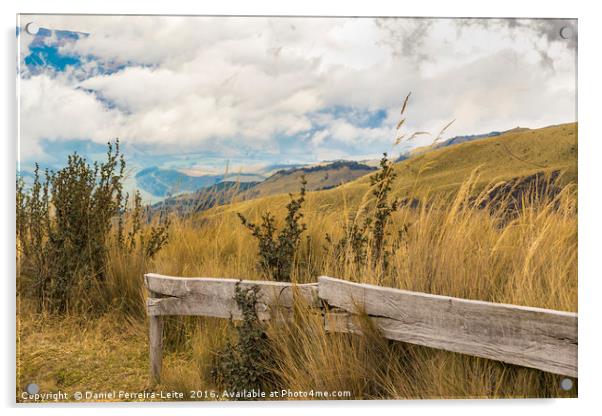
x=542 y=35
x=298 y=86
x=49 y=108
x=406 y=36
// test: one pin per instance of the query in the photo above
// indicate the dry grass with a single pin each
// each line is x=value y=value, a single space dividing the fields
x=74 y=353
x=448 y=247
x=371 y=367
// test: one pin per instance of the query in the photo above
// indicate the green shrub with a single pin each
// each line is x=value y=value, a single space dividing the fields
x=66 y=222
x=381 y=189
x=277 y=254
x=368 y=241
x=245 y=363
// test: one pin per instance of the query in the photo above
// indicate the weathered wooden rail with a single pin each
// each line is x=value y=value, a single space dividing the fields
x=532 y=337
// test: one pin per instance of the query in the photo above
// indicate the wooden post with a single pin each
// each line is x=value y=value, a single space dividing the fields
x=155 y=337
x=155 y=342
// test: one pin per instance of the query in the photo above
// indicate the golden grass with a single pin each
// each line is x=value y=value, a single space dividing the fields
x=449 y=248
x=371 y=367
x=74 y=353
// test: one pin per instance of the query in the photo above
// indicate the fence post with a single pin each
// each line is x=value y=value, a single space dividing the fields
x=155 y=338
x=155 y=346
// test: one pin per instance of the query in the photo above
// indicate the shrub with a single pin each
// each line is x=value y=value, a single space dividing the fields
x=245 y=363
x=66 y=221
x=370 y=239
x=381 y=183
x=277 y=254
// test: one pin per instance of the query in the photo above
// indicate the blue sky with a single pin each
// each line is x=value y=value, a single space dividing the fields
x=199 y=92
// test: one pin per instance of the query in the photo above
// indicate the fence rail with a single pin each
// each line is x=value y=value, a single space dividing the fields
x=532 y=337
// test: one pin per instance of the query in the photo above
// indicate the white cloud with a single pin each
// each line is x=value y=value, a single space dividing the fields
x=50 y=108
x=202 y=83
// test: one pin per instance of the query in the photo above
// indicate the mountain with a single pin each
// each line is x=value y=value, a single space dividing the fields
x=326 y=175
x=512 y=154
x=467 y=138
x=204 y=198
x=164 y=182
x=450 y=142
x=319 y=177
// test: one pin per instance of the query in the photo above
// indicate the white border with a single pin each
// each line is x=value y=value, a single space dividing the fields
x=590 y=276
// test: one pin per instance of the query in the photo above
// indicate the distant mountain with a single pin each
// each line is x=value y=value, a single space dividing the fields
x=204 y=198
x=322 y=176
x=165 y=182
x=467 y=138
x=269 y=170
x=402 y=157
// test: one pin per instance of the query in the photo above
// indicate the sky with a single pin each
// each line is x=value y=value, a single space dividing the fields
x=197 y=92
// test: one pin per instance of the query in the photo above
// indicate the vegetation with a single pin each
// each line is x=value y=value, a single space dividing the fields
x=370 y=239
x=457 y=240
x=277 y=254
x=246 y=364
x=65 y=224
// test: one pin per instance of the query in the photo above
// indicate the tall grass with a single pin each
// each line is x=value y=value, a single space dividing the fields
x=456 y=247
x=464 y=245
x=450 y=245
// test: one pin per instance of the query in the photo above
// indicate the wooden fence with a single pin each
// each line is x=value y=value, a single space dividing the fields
x=532 y=337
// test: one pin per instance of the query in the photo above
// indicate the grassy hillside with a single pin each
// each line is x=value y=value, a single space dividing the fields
x=445 y=176
x=516 y=153
x=512 y=154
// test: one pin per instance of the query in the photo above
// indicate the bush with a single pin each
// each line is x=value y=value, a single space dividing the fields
x=276 y=255
x=245 y=363
x=65 y=223
x=381 y=189
x=370 y=239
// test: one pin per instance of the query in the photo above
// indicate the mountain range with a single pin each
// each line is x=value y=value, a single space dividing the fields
x=319 y=177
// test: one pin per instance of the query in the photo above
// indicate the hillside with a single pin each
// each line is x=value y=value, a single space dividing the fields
x=451 y=141
x=283 y=181
x=513 y=154
x=164 y=182
x=319 y=177
x=204 y=198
